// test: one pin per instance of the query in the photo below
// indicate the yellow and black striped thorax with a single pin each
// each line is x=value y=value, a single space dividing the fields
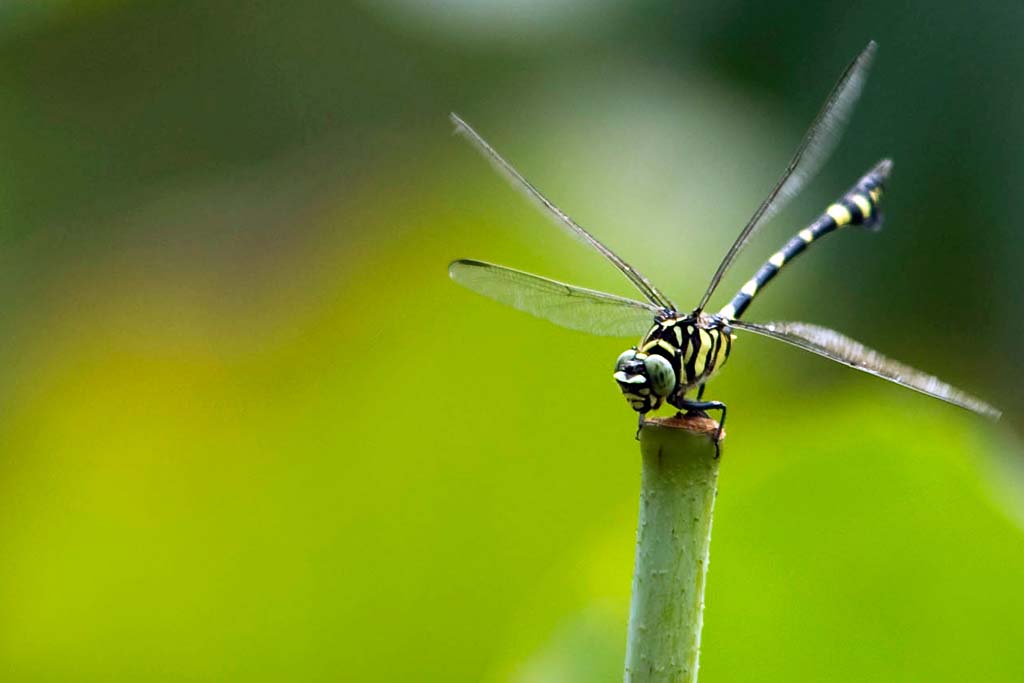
x=696 y=347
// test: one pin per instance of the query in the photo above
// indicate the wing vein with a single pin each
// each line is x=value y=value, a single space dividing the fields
x=577 y=308
x=849 y=352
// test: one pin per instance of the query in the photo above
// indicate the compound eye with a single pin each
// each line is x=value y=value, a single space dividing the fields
x=624 y=358
x=660 y=374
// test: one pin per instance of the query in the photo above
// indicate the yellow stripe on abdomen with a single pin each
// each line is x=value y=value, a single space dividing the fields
x=840 y=214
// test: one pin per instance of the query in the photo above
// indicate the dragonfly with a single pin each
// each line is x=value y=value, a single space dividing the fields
x=680 y=352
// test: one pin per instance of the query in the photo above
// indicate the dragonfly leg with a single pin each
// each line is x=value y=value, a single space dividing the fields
x=639 y=424
x=699 y=408
x=700 y=392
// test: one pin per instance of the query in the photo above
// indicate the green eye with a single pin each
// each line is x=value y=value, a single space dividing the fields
x=624 y=358
x=660 y=374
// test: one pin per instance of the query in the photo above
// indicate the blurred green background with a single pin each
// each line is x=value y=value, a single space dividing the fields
x=251 y=431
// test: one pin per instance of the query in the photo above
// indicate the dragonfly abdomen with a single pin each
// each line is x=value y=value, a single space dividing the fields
x=860 y=206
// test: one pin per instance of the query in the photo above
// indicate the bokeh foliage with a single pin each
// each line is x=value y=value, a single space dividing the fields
x=252 y=432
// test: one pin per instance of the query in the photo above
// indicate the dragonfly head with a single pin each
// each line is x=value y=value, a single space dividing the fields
x=645 y=379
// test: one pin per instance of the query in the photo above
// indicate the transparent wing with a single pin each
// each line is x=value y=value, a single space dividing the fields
x=842 y=349
x=649 y=291
x=815 y=148
x=577 y=308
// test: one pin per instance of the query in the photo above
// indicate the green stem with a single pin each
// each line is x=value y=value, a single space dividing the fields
x=677 y=497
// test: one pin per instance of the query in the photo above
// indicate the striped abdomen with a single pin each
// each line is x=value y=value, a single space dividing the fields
x=696 y=348
x=860 y=206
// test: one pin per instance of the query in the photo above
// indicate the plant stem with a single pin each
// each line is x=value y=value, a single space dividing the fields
x=677 y=497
